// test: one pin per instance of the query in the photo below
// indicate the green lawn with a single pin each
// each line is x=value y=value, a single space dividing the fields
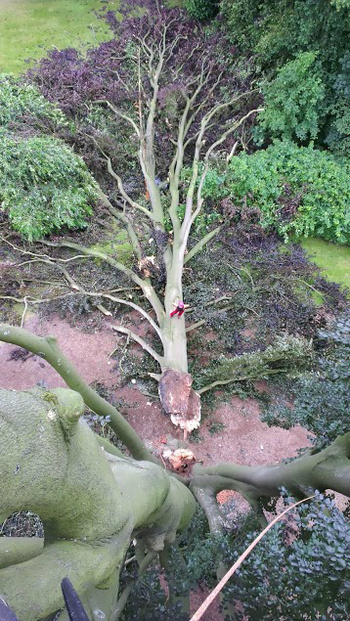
x=333 y=260
x=29 y=27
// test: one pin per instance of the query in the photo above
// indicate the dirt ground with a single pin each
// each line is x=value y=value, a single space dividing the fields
x=243 y=439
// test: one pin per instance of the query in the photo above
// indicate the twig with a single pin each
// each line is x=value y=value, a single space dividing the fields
x=138 y=339
x=239 y=379
x=24 y=311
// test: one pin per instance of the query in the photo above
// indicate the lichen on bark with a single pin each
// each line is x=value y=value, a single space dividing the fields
x=91 y=502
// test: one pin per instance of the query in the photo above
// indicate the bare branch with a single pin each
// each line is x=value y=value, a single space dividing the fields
x=146 y=152
x=202 y=242
x=210 y=150
x=145 y=285
x=232 y=152
x=196 y=325
x=230 y=130
x=121 y=115
x=242 y=378
x=139 y=309
x=123 y=218
x=126 y=196
x=138 y=339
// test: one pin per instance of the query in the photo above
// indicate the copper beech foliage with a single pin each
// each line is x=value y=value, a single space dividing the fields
x=118 y=72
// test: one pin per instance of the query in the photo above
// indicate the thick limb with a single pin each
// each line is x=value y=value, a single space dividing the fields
x=91 y=502
x=84 y=564
x=48 y=349
x=328 y=469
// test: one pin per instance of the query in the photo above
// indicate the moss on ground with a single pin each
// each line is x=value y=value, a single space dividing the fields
x=116 y=245
x=30 y=27
x=333 y=260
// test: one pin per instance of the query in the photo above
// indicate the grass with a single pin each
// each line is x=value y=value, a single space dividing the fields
x=333 y=260
x=30 y=27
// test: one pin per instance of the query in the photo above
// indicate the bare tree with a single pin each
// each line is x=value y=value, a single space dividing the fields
x=151 y=108
x=174 y=92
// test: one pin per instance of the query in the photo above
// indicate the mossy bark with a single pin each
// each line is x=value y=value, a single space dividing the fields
x=91 y=502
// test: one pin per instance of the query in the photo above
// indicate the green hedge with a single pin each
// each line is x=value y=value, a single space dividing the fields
x=19 y=100
x=44 y=186
x=298 y=191
x=202 y=9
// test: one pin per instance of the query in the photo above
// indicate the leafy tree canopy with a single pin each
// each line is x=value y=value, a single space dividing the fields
x=202 y=9
x=277 y=32
x=293 y=101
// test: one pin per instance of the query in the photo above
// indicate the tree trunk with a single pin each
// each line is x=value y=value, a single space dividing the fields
x=177 y=396
x=174 y=331
x=91 y=502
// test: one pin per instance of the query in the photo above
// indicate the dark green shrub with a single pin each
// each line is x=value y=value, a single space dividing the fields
x=277 y=31
x=44 y=186
x=202 y=9
x=298 y=570
x=322 y=402
x=193 y=562
x=18 y=101
x=338 y=137
x=296 y=190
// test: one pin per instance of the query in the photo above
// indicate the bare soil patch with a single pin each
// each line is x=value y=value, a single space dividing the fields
x=243 y=439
